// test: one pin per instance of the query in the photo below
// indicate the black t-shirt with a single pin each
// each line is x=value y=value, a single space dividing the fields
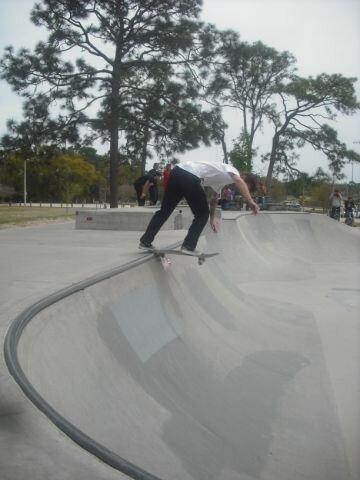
x=153 y=173
x=349 y=205
x=142 y=180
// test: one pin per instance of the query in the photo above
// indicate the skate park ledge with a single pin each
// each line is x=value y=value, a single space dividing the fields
x=131 y=219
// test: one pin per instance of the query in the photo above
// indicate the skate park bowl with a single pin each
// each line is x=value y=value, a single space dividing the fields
x=244 y=368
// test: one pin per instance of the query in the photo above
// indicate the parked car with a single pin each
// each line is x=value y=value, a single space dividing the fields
x=292 y=205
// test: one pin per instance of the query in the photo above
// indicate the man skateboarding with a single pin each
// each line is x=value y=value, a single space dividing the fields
x=187 y=180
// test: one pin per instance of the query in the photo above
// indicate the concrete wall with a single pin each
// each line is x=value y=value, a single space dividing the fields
x=133 y=219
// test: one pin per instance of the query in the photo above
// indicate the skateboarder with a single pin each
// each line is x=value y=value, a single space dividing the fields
x=187 y=180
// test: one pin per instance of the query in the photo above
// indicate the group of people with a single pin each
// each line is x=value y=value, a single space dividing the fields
x=257 y=189
x=335 y=203
x=199 y=183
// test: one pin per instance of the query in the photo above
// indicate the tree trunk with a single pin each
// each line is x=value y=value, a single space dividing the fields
x=144 y=147
x=223 y=144
x=114 y=165
x=274 y=149
x=268 y=182
x=114 y=130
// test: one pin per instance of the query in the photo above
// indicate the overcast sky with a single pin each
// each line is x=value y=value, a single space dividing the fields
x=323 y=35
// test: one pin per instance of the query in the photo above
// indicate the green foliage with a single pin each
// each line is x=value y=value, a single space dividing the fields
x=326 y=140
x=90 y=155
x=128 y=76
x=320 y=177
x=278 y=191
x=242 y=154
x=59 y=177
x=18 y=215
x=128 y=173
x=305 y=103
x=246 y=76
x=299 y=185
x=331 y=92
x=127 y=193
x=319 y=196
x=12 y=168
x=71 y=176
x=137 y=75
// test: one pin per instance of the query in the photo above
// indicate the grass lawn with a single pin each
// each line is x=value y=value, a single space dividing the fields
x=14 y=215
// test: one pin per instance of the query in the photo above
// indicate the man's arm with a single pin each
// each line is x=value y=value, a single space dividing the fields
x=145 y=188
x=243 y=189
x=212 y=198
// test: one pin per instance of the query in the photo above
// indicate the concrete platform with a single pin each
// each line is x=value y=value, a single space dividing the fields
x=129 y=219
x=246 y=367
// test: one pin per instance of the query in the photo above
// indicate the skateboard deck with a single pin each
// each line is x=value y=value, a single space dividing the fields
x=162 y=254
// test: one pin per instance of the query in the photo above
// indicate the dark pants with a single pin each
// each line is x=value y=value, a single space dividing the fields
x=153 y=194
x=181 y=184
x=335 y=212
x=138 y=189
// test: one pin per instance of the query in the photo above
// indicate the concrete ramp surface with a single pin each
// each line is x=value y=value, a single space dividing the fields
x=244 y=368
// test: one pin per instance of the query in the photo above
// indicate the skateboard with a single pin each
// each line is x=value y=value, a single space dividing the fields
x=162 y=255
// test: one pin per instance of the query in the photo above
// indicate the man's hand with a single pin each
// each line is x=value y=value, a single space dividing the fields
x=213 y=224
x=244 y=191
x=254 y=207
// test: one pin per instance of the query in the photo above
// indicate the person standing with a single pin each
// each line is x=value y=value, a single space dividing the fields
x=261 y=194
x=153 y=189
x=349 y=204
x=188 y=179
x=143 y=184
x=335 y=200
x=349 y=208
